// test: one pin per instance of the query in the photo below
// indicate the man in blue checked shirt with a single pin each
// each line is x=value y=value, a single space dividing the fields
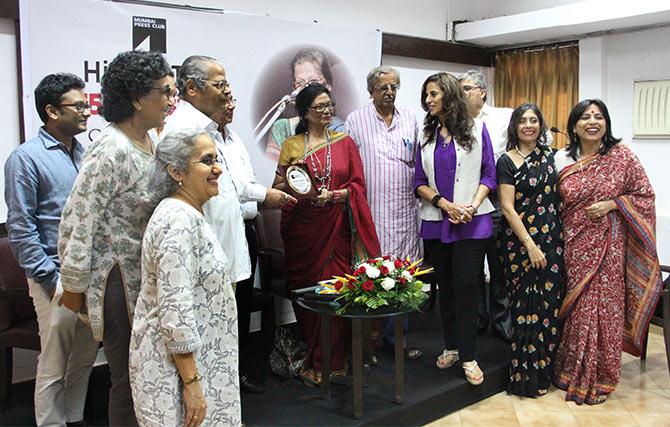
x=39 y=175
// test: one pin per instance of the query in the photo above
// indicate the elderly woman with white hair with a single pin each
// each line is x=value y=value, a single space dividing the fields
x=183 y=350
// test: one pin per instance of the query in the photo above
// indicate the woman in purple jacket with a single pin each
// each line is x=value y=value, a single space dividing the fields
x=455 y=172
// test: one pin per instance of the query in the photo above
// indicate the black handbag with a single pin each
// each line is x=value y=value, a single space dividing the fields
x=288 y=354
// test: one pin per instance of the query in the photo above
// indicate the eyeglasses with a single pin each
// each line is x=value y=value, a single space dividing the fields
x=167 y=91
x=232 y=102
x=384 y=88
x=322 y=108
x=209 y=161
x=79 y=106
x=221 y=85
x=468 y=89
x=303 y=83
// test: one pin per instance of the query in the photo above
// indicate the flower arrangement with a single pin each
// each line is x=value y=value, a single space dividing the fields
x=382 y=281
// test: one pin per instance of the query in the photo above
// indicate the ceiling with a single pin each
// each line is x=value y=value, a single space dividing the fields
x=565 y=22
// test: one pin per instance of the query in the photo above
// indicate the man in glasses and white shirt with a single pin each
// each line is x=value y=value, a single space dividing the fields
x=39 y=175
x=497 y=311
x=205 y=103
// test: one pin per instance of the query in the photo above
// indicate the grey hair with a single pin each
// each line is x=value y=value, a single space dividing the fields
x=375 y=74
x=477 y=78
x=194 y=68
x=175 y=149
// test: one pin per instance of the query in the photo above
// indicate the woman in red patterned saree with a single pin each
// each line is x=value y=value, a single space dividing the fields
x=325 y=235
x=613 y=276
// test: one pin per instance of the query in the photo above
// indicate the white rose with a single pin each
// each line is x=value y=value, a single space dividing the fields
x=406 y=275
x=371 y=272
x=388 y=283
x=389 y=265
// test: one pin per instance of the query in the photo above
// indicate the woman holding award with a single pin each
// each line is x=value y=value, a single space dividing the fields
x=328 y=231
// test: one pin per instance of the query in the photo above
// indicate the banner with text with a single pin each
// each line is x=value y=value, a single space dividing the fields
x=261 y=55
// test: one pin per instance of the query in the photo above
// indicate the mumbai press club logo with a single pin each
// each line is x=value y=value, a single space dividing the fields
x=150 y=34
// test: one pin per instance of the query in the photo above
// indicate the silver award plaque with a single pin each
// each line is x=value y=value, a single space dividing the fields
x=299 y=181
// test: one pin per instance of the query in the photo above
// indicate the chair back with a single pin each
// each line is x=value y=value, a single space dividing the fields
x=271 y=250
x=15 y=302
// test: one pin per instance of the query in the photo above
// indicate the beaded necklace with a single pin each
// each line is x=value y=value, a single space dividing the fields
x=321 y=173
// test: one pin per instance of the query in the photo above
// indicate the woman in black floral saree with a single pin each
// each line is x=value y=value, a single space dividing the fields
x=530 y=250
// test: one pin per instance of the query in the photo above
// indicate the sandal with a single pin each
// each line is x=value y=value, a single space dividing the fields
x=473 y=373
x=412 y=353
x=601 y=398
x=310 y=377
x=446 y=359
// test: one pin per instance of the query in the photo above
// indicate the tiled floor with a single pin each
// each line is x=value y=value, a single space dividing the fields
x=641 y=399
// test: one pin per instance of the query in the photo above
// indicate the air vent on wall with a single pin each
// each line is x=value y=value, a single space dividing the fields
x=651 y=110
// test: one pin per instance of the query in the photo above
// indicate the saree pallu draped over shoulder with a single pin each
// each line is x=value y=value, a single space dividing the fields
x=613 y=272
x=321 y=241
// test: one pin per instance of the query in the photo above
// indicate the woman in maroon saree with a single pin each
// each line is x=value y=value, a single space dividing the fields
x=325 y=235
x=613 y=273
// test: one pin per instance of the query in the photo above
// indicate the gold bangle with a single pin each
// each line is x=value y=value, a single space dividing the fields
x=195 y=378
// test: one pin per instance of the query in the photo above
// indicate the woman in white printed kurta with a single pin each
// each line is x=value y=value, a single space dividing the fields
x=186 y=304
x=103 y=222
x=101 y=229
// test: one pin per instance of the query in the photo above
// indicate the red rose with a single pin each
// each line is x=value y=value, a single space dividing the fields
x=386 y=257
x=350 y=286
x=384 y=270
x=338 y=285
x=360 y=270
x=368 y=286
x=397 y=263
x=402 y=280
x=370 y=261
x=412 y=271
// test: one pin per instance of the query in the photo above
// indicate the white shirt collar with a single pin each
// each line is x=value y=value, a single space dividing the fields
x=485 y=111
x=186 y=112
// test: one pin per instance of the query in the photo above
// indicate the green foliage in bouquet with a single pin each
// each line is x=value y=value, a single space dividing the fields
x=382 y=281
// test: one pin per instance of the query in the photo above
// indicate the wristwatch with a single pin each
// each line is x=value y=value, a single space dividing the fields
x=436 y=199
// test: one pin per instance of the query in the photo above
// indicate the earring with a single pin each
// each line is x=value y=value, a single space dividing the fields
x=179 y=182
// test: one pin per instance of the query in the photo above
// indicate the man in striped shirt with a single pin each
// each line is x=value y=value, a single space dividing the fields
x=387 y=138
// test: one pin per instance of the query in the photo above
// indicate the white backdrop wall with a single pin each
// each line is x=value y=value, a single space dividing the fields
x=608 y=67
x=9 y=108
x=420 y=18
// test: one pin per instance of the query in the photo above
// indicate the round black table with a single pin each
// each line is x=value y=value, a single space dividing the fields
x=360 y=320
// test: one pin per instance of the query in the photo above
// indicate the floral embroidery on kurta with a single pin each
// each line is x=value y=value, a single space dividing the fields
x=187 y=304
x=103 y=222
